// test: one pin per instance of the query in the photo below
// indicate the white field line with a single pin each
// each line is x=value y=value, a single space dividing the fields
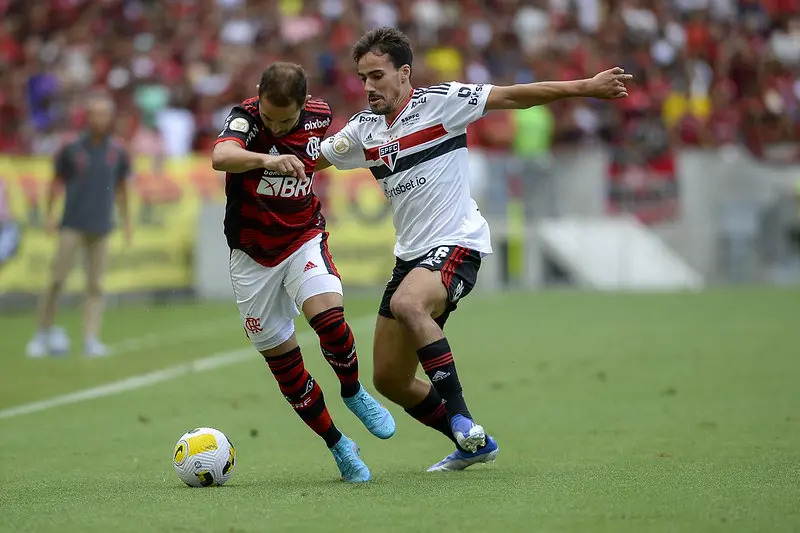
x=203 y=364
x=159 y=339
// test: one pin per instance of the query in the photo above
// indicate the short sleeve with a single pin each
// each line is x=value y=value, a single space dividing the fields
x=240 y=126
x=465 y=103
x=344 y=149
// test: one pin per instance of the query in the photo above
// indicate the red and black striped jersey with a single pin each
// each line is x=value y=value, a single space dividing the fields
x=269 y=215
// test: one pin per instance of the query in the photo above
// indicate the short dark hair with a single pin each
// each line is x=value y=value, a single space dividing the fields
x=284 y=83
x=385 y=40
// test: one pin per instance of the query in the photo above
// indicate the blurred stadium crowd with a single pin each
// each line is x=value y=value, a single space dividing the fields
x=708 y=72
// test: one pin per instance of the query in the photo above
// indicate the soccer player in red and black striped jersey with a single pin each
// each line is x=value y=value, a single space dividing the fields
x=279 y=260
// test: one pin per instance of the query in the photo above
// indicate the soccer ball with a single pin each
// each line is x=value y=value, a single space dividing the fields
x=204 y=457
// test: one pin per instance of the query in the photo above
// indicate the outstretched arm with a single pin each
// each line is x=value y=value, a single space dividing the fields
x=607 y=85
x=322 y=164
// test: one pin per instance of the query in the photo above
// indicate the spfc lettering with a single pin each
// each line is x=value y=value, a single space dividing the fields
x=410 y=118
x=388 y=154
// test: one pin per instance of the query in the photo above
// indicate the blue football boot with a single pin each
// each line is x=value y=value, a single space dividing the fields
x=469 y=435
x=459 y=460
x=377 y=419
x=347 y=456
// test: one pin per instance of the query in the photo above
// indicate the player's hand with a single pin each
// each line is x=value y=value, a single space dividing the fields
x=609 y=84
x=288 y=165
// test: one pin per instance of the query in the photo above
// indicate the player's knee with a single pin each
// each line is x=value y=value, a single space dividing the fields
x=406 y=309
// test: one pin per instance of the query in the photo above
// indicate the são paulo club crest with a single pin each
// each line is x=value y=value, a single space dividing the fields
x=388 y=153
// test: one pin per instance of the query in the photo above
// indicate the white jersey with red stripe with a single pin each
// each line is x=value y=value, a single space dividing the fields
x=420 y=160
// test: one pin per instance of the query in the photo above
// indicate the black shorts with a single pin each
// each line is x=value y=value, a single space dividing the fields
x=459 y=267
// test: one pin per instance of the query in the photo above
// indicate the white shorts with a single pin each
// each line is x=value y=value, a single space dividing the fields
x=269 y=297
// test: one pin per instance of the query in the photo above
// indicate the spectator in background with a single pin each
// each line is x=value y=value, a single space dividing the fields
x=490 y=139
x=148 y=143
x=51 y=52
x=533 y=138
x=724 y=124
x=93 y=171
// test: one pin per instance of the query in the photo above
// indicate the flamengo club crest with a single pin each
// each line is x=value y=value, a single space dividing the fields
x=388 y=154
x=253 y=324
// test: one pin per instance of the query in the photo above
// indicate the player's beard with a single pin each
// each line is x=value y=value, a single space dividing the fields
x=381 y=106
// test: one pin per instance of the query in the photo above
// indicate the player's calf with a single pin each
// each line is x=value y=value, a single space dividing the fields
x=418 y=296
x=306 y=398
x=338 y=347
x=437 y=361
x=303 y=394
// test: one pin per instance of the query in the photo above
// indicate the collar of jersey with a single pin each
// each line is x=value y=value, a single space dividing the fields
x=402 y=110
x=86 y=138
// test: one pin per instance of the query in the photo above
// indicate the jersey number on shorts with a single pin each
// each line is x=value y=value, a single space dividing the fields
x=435 y=257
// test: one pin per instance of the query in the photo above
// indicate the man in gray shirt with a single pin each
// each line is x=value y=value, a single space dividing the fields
x=93 y=171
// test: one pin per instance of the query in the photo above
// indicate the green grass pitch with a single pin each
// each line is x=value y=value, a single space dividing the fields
x=618 y=413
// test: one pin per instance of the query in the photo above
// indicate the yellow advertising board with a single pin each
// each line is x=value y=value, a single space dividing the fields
x=165 y=201
x=360 y=224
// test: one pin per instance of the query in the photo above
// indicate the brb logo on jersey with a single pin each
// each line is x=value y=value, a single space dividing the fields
x=284 y=186
x=388 y=154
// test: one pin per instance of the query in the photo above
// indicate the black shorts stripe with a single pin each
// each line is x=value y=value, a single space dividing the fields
x=452 y=264
x=406 y=163
x=326 y=256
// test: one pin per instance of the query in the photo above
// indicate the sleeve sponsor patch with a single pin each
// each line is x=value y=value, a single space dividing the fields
x=239 y=124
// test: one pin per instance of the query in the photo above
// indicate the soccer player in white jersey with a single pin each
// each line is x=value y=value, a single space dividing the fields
x=414 y=143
